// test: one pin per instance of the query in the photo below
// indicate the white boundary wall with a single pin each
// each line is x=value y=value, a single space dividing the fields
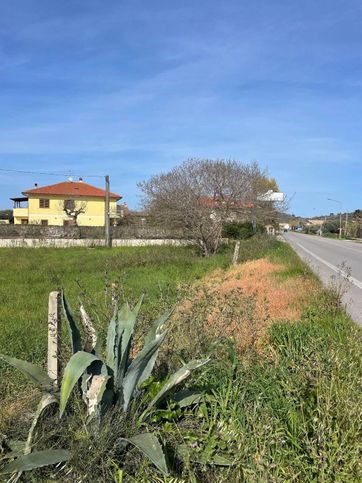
x=87 y=242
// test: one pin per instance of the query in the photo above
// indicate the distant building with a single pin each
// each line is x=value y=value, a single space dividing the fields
x=284 y=226
x=54 y=205
x=315 y=222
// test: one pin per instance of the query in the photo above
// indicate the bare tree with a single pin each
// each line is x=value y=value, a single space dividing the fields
x=73 y=209
x=199 y=196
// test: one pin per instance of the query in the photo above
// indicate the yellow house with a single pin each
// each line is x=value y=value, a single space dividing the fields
x=66 y=203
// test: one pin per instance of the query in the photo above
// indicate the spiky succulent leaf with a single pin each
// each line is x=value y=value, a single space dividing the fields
x=150 y=447
x=175 y=379
x=90 y=332
x=45 y=401
x=113 y=341
x=126 y=323
x=187 y=397
x=74 y=333
x=157 y=327
x=36 y=460
x=96 y=391
x=136 y=369
x=76 y=366
x=155 y=330
x=34 y=373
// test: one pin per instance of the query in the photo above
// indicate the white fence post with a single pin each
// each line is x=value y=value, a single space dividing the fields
x=236 y=252
x=54 y=328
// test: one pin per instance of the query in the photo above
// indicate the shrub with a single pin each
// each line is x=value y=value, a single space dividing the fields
x=238 y=231
x=331 y=227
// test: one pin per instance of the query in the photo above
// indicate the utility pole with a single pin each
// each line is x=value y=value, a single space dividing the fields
x=346 y=224
x=107 y=224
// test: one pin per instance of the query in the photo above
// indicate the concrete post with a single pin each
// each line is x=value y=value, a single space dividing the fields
x=236 y=252
x=54 y=326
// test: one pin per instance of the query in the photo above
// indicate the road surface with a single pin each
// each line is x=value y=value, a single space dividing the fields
x=326 y=258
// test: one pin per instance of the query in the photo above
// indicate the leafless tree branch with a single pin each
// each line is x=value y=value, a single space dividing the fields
x=199 y=196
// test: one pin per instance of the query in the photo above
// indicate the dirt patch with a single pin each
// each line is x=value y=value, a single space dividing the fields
x=240 y=304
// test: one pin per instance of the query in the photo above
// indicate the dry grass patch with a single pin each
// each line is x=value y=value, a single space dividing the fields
x=240 y=303
x=18 y=411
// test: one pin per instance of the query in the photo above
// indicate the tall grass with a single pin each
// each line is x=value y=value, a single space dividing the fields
x=293 y=413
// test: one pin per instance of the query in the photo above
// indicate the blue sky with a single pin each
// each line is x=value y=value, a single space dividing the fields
x=132 y=88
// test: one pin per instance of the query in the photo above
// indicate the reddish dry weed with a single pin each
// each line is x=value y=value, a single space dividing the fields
x=242 y=302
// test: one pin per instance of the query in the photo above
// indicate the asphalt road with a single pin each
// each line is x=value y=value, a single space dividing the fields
x=332 y=261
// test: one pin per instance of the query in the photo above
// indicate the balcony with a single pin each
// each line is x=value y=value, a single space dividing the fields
x=20 y=212
x=18 y=202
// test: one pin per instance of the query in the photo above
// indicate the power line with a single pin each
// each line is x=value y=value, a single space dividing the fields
x=50 y=174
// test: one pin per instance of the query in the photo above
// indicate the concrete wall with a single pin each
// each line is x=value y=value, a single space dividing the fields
x=130 y=230
x=86 y=242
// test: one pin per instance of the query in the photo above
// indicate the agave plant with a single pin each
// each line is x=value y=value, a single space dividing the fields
x=114 y=380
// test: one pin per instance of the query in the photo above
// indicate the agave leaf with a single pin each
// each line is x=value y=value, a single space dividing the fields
x=187 y=397
x=126 y=323
x=113 y=341
x=77 y=364
x=45 y=401
x=33 y=372
x=86 y=377
x=95 y=394
x=138 y=365
x=90 y=332
x=151 y=335
x=150 y=446
x=147 y=371
x=175 y=379
x=73 y=329
x=36 y=460
x=157 y=326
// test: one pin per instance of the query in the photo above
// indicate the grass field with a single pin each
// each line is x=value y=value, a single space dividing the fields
x=288 y=409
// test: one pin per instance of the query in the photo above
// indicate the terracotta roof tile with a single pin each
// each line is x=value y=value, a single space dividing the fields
x=71 y=188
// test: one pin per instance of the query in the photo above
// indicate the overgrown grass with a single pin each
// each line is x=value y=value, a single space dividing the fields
x=292 y=413
x=296 y=414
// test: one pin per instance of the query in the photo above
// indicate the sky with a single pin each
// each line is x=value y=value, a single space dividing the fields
x=133 y=88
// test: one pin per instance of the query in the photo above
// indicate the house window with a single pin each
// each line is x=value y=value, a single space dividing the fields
x=24 y=221
x=43 y=203
x=44 y=222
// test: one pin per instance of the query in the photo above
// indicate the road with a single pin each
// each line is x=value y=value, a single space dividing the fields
x=327 y=257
